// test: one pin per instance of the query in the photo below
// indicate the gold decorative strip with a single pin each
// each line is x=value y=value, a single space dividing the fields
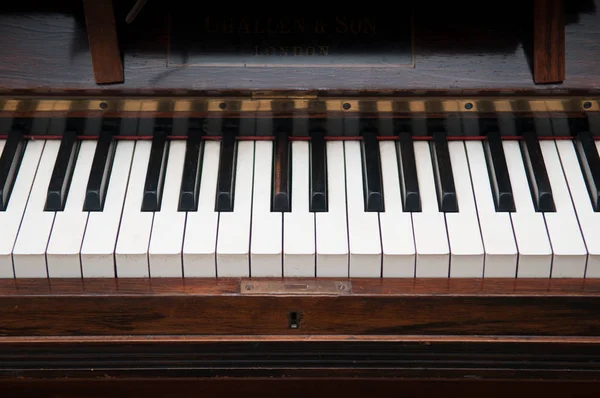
x=291 y=105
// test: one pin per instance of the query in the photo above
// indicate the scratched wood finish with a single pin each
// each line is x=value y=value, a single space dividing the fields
x=48 y=52
x=372 y=308
x=103 y=40
x=549 y=41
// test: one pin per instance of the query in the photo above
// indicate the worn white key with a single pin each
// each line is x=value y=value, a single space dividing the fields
x=299 y=224
x=6 y=269
x=464 y=235
x=29 y=253
x=267 y=229
x=10 y=220
x=331 y=228
x=98 y=248
x=589 y=220
x=496 y=228
x=593 y=267
x=397 y=237
x=166 y=240
x=431 y=238
x=570 y=254
x=131 y=253
x=233 y=239
x=535 y=252
x=64 y=247
x=200 y=240
x=363 y=227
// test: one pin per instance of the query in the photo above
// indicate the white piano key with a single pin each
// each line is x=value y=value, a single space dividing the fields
x=397 y=236
x=166 y=239
x=66 y=237
x=6 y=268
x=233 y=236
x=10 y=220
x=431 y=238
x=496 y=228
x=98 y=248
x=29 y=253
x=464 y=234
x=570 y=253
x=131 y=253
x=363 y=227
x=593 y=267
x=589 y=220
x=535 y=252
x=299 y=224
x=200 y=240
x=331 y=228
x=266 y=239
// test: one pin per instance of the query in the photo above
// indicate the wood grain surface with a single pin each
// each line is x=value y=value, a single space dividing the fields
x=549 y=41
x=103 y=40
x=199 y=329
x=377 y=307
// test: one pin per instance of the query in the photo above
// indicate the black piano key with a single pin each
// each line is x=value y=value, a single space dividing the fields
x=282 y=175
x=100 y=172
x=537 y=175
x=498 y=173
x=192 y=170
x=9 y=165
x=590 y=165
x=155 y=174
x=226 y=176
x=318 y=173
x=372 y=179
x=409 y=183
x=442 y=169
x=62 y=173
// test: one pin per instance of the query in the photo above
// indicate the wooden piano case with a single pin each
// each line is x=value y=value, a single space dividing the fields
x=288 y=336
x=420 y=336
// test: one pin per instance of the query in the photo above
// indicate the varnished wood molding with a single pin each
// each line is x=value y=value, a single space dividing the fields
x=549 y=41
x=103 y=40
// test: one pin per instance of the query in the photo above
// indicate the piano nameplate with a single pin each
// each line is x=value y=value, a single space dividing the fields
x=291 y=41
x=296 y=287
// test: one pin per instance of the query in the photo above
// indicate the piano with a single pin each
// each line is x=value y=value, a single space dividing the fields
x=184 y=211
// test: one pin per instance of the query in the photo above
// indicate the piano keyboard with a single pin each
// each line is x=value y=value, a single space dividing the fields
x=404 y=208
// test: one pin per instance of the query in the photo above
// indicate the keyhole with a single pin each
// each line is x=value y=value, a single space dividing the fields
x=293 y=320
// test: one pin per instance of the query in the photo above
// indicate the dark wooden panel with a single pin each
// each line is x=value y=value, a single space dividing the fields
x=48 y=51
x=376 y=307
x=297 y=388
x=103 y=40
x=307 y=358
x=549 y=41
